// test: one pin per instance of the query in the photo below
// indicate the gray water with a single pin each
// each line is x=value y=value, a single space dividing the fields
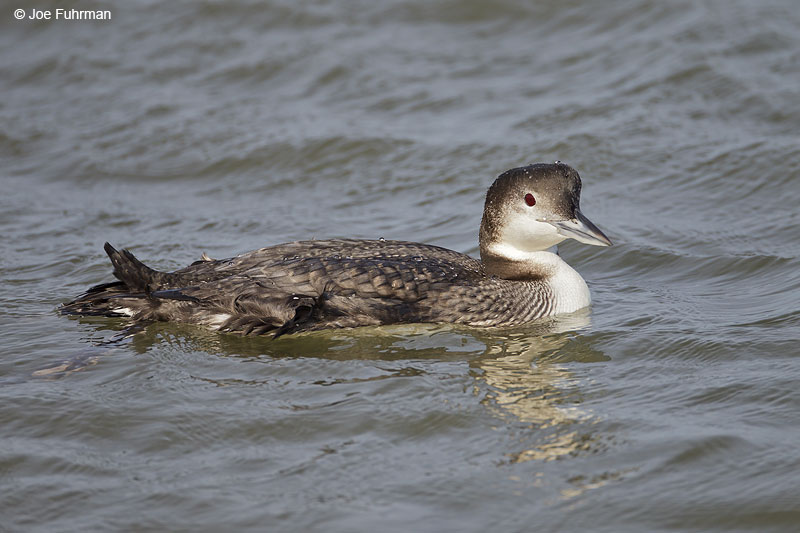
x=178 y=128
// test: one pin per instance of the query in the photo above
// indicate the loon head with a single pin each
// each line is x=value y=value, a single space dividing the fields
x=533 y=208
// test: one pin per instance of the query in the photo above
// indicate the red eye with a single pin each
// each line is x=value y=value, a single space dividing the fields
x=530 y=200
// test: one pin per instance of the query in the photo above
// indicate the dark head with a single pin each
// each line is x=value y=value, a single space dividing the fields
x=533 y=208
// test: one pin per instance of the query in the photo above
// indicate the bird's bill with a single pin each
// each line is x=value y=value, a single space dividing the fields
x=581 y=229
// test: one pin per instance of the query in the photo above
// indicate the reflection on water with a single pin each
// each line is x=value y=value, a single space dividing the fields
x=525 y=378
x=522 y=375
x=406 y=341
x=523 y=381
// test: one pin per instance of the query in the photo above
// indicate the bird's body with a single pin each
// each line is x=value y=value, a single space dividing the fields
x=318 y=284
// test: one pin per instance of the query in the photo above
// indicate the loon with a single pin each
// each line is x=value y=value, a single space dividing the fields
x=318 y=284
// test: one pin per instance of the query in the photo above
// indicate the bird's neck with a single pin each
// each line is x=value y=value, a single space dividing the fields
x=568 y=287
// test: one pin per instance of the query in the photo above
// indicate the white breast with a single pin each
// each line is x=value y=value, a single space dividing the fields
x=569 y=289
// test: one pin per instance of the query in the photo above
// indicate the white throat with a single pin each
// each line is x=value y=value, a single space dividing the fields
x=529 y=235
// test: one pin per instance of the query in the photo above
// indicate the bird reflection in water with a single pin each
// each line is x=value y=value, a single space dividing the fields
x=525 y=375
x=525 y=378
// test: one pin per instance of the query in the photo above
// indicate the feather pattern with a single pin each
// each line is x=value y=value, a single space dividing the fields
x=309 y=285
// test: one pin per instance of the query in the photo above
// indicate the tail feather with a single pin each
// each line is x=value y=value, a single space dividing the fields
x=125 y=297
x=136 y=275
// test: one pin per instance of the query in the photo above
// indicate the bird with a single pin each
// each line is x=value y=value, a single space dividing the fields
x=344 y=283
